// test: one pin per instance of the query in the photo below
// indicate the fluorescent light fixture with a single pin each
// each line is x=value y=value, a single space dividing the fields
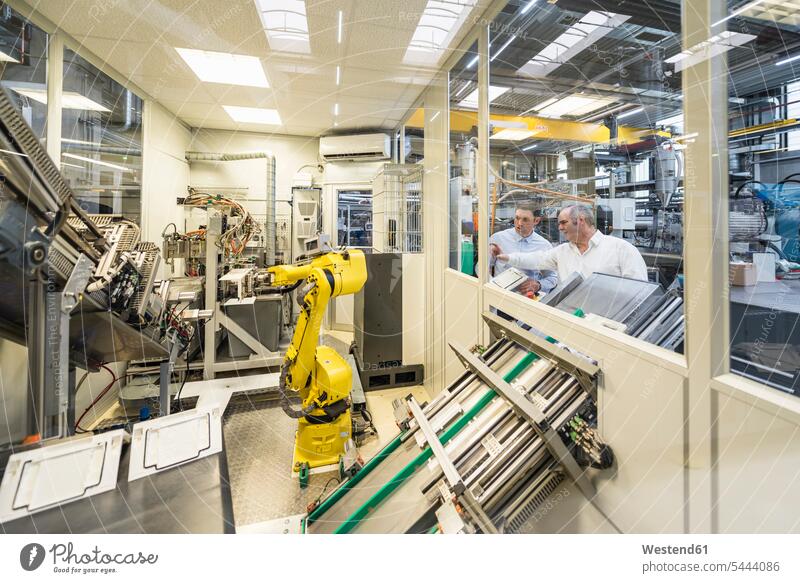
x=339 y=29
x=471 y=100
x=739 y=11
x=227 y=68
x=789 y=60
x=335 y=109
x=631 y=112
x=473 y=62
x=435 y=115
x=532 y=146
x=438 y=25
x=512 y=134
x=338 y=74
x=501 y=123
x=711 y=47
x=6 y=58
x=71 y=141
x=464 y=88
x=574 y=105
x=253 y=115
x=69 y=99
x=581 y=35
x=285 y=24
x=544 y=104
x=678 y=57
x=508 y=42
x=97 y=162
x=528 y=6
x=73 y=165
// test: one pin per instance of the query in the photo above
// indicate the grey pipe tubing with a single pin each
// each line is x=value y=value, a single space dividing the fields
x=489 y=474
x=522 y=435
x=503 y=482
x=496 y=415
x=497 y=419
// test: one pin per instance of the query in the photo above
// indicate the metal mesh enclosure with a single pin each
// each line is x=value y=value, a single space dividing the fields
x=397 y=209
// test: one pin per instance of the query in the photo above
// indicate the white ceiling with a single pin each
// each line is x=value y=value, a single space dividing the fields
x=138 y=38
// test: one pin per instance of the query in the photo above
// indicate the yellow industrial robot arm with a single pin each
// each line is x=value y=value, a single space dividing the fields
x=318 y=373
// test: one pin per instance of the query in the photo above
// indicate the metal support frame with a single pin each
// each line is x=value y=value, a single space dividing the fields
x=263 y=357
x=50 y=377
x=34 y=312
x=528 y=410
x=580 y=368
x=242 y=334
x=165 y=374
x=451 y=475
x=213 y=231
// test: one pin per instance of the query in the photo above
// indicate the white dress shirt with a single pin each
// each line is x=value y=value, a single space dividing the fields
x=512 y=242
x=605 y=254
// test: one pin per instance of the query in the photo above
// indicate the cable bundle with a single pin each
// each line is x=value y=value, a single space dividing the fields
x=235 y=239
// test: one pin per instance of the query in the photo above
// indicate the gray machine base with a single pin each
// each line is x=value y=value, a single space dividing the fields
x=407 y=375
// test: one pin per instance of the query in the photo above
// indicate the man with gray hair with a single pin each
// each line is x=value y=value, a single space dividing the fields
x=523 y=238
x=587 y=251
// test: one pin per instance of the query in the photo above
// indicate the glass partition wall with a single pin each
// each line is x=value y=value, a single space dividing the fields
x=463 y=160
x=585 y=109
x=762 y=42
x=23 y=67
x=101 y=144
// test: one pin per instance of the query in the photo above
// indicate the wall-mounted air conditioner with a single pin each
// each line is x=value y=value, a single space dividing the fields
x=358 y=147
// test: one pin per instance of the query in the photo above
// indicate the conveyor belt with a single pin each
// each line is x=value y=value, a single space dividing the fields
x=503 y=462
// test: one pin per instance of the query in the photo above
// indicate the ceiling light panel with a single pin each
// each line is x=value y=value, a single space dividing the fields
x=574 y=105
x=471 y=100
x=253 y=115
x=711 y=47
x=512 y=134
x=98 y=162
x=226 y=68
x=285 y=24
x=577 y=38
x=69 y=99
x=438 y=24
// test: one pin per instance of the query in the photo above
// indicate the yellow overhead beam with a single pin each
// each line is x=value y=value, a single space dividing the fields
x=542 y=128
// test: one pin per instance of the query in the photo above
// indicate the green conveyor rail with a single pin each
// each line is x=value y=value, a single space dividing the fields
x=362 y=473
x=375 y=500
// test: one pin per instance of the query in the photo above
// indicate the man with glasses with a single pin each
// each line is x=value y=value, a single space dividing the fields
x=523 y=239
x=587 y=251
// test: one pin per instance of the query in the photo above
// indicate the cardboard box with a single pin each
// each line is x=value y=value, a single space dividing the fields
x=742 y=274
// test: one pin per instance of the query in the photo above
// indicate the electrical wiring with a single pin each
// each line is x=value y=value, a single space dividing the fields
x=318 y=499
x=177 y=397
x=96 y=400
x=235 y=239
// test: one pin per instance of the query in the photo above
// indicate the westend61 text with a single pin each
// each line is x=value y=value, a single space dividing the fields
x=671 y=550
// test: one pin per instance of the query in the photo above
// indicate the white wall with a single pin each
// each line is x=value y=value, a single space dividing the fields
x=290 y=154
x=166 y=172
x=13 y=391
